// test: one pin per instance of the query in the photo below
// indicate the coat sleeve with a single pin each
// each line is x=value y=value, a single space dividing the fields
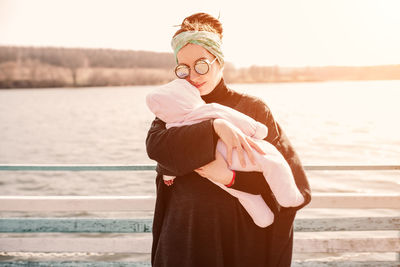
x=180 y=150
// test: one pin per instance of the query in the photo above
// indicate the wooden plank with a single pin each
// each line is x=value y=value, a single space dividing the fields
x=145 y=203
x=347 y=224
x=143 y=264
x=151 y=167
x=351 y=167
x=74 y=225
x=99 y=225
x=346 y=264
x=355 y=201
x=77 y=203
x=73 y=264
x=341 y=245
x=143 y=244
x=75 y=167
x=79 y=244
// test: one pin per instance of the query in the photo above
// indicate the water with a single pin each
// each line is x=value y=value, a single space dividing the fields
x=327 y=122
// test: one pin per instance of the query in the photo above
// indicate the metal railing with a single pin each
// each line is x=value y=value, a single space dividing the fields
x=144 y=226
x=150 y=167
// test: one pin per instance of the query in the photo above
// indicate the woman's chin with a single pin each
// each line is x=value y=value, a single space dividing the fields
x=204 y=90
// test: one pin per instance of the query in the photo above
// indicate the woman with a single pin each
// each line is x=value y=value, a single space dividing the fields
x=195 y=222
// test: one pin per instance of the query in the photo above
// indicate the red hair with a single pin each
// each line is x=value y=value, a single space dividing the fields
x=201 y=22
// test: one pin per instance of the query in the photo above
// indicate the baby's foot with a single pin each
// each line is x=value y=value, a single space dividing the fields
x=169 y=182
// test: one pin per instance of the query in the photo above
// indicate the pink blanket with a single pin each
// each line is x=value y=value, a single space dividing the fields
x=179 y=103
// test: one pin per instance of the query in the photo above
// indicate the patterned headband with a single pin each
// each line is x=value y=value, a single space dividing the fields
x=210 y=41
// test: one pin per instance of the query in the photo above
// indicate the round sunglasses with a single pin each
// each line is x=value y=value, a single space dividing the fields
x=201 y=66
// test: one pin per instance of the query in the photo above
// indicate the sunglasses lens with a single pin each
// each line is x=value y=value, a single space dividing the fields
x=181 y=71
x=201 y=67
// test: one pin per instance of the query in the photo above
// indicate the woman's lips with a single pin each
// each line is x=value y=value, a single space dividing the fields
x=199 y=84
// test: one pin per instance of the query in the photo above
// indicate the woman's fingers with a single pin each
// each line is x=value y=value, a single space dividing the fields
x=232 y=138
x=240 y=151
x=229 y=155
x=255 y=146
x=240 y=154
x=201 y=172
x=248 y=150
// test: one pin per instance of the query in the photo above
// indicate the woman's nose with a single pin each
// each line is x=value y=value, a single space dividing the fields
x=193 y=75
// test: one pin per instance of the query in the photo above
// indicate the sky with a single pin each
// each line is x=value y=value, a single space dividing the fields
x=278 y=32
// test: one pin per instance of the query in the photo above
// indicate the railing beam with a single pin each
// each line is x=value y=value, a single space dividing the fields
x=77 y=203
x=75 y=167
x=142 y=244
x=147 y=203
x=100 y=225
x=319 y=263
x=151 y=167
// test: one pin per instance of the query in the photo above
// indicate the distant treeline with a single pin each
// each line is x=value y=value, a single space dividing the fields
x=80 y=57
x=27 y=67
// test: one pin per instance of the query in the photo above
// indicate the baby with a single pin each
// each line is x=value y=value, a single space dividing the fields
x=179 y=103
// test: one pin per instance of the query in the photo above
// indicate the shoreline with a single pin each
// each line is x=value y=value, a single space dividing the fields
x=69 y=86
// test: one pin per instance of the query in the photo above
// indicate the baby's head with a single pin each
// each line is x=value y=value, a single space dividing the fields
x=172 y=101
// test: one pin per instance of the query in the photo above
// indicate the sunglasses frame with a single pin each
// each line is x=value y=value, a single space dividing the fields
x=206 y=60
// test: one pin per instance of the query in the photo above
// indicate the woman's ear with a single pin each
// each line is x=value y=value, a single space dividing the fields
x=221 y=69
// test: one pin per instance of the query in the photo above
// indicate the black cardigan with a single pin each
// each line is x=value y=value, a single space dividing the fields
x=180 y=150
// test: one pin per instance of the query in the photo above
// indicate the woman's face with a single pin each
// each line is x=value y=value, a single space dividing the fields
x=204 y=83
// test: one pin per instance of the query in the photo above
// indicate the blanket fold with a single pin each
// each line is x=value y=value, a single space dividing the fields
x=179 y=103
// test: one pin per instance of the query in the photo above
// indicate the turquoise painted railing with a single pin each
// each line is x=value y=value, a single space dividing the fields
x=143 y=227
x=151 y=167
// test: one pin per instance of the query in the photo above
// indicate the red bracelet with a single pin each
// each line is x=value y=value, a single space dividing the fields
x=233 y=179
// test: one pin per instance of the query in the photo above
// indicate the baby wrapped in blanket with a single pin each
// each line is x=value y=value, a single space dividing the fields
x=179 y=103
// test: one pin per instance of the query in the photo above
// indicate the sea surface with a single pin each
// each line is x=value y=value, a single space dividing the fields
x=329 y=123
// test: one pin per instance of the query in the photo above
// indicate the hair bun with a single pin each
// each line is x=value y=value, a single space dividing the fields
x=201 y=22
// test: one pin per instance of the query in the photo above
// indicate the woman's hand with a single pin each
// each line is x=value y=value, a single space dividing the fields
x=235 y=139
x=216 y=170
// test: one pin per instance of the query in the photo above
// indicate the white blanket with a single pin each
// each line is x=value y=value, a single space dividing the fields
x=179 y=103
